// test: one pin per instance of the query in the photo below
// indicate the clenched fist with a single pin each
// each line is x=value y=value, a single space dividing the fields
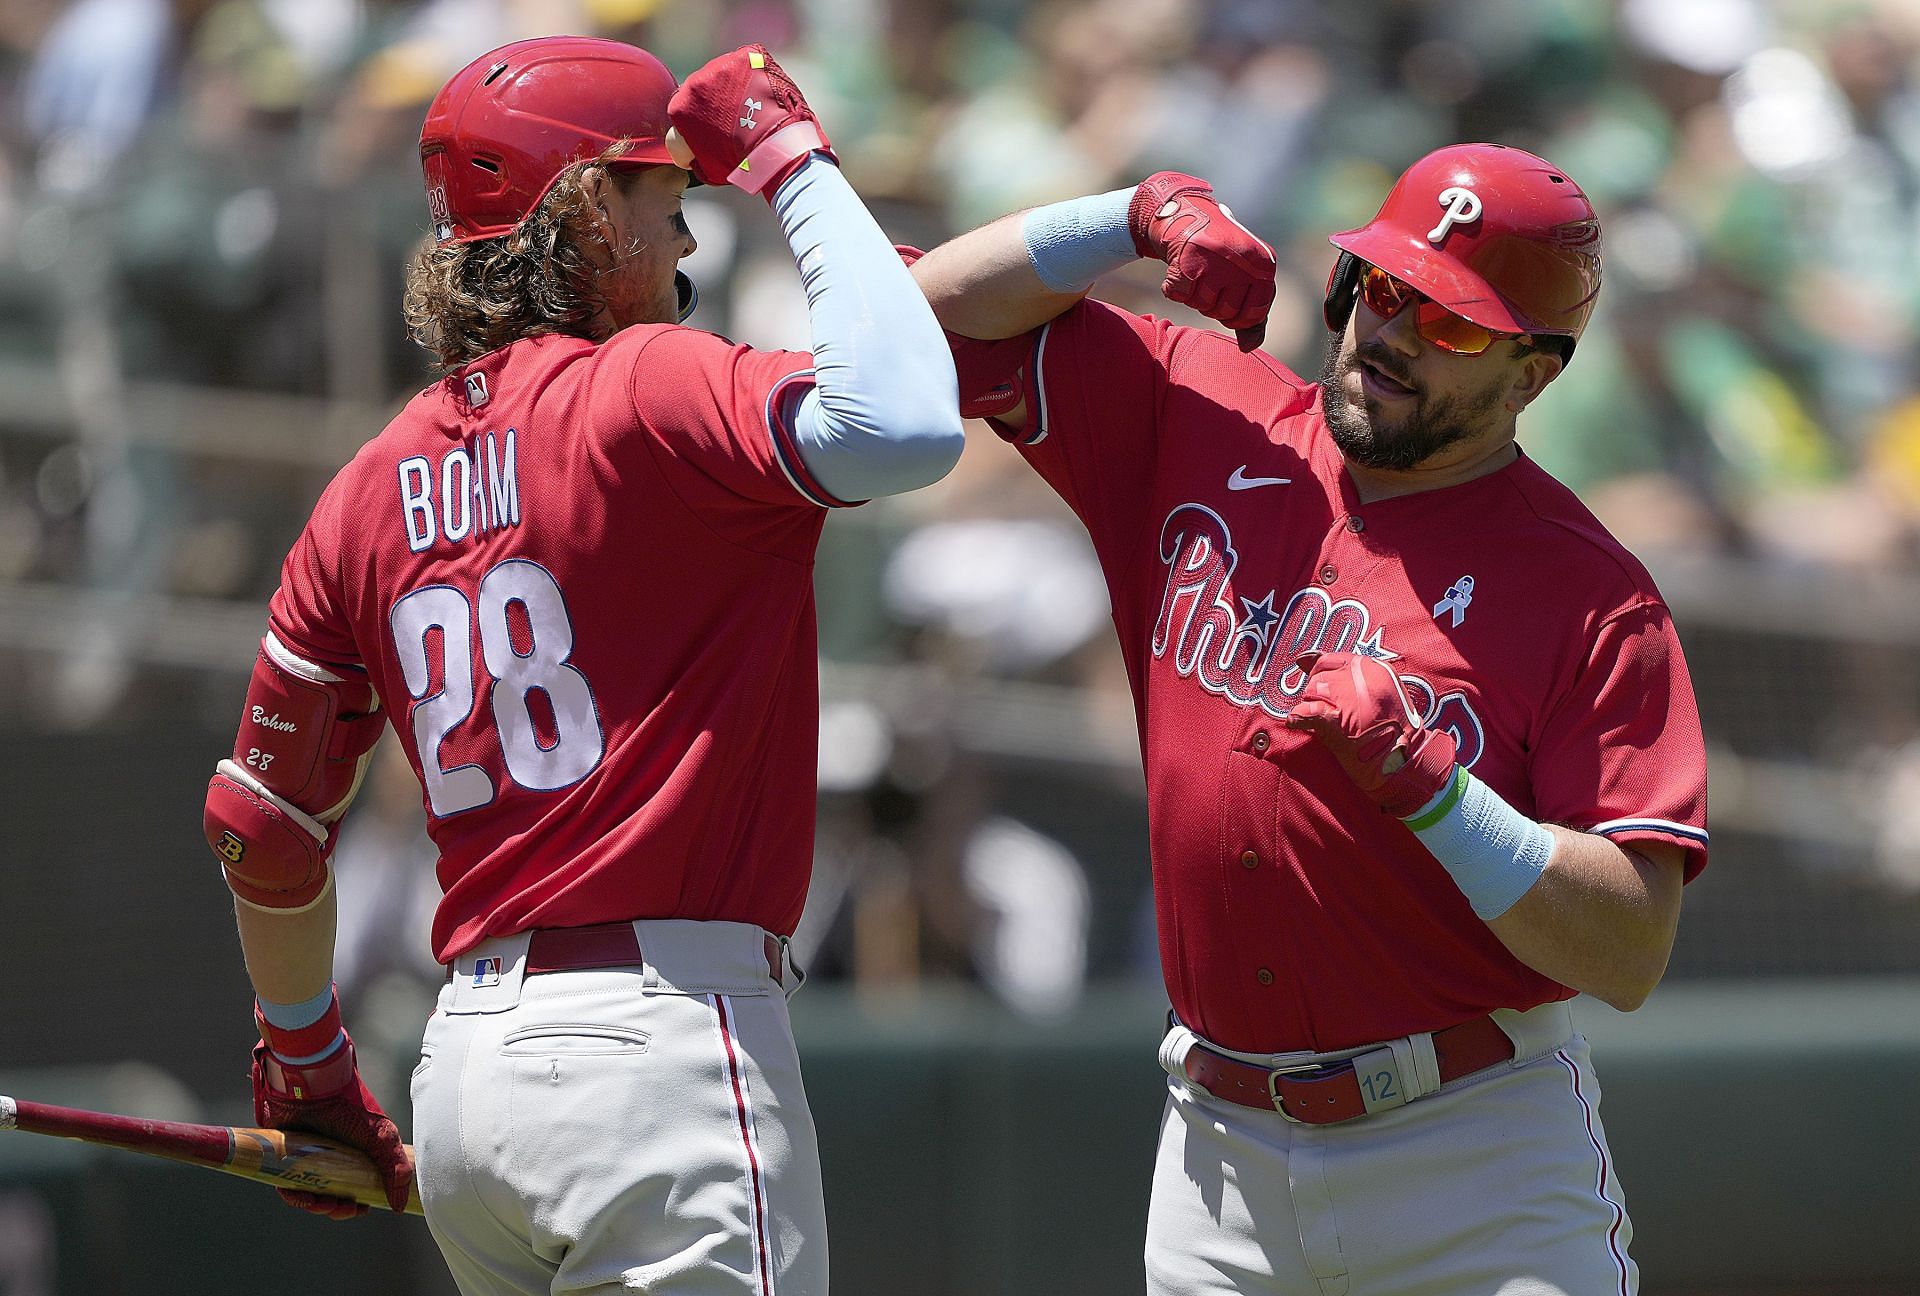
x=1214 y=263
x=328 y=1097
x=745 y=122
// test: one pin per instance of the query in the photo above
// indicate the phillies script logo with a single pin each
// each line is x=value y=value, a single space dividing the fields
x=1247 y=654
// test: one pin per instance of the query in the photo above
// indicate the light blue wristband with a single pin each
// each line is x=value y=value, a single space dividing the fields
x=1073 y=243
x=291 y=1017
x=1494 y=853
x=297 y=1016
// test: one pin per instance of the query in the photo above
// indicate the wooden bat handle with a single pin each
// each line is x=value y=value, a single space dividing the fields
x=311 y=1163
x=283 y=1158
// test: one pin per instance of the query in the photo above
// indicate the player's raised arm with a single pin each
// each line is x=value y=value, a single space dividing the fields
x=1020 y=271
x=883 y=414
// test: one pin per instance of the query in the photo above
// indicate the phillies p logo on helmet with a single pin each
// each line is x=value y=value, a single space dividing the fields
x=1463 y=208
x=1515 y=248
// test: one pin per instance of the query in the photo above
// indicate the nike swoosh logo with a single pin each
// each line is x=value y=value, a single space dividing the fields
x=1240 y=481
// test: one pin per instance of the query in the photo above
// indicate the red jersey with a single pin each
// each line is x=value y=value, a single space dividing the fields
x=580 y=578
x=1294 y=913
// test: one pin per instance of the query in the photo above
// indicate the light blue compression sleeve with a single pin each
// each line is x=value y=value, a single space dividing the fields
x=1073 y=243
x=884 y=413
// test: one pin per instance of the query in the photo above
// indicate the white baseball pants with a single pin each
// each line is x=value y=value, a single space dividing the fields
x=621 y=1129
x=1498 y=1184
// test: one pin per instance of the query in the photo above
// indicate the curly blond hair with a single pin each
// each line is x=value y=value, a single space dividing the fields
x=542 y=276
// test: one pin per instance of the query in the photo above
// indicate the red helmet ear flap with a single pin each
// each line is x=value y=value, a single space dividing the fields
x=1343 y=288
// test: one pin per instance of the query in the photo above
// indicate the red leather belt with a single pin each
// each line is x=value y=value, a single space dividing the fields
x=572 y=949
x=1327 y=1095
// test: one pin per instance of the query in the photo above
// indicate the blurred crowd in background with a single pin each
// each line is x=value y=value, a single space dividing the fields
x=211 y=201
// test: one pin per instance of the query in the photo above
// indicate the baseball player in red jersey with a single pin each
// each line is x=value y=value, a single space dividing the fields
x=576 y=576
x=1422 y=754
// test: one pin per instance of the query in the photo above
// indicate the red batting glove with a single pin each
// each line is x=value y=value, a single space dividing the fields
x=746 y=122
x=1358 y=708
x=1214 y=263
x=327 y=1097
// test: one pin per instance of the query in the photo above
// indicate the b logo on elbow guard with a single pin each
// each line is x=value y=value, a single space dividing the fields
x=230 y=848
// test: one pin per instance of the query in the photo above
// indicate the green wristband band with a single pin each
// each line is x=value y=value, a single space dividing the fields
x=1441 y=806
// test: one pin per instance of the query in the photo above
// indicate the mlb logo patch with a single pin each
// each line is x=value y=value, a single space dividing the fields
x=486 y=972
x=477 y=393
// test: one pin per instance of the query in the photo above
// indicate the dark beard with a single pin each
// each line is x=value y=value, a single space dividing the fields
x=1424 y=433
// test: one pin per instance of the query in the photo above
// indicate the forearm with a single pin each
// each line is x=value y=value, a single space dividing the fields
x=1601 y=918
x=289 y=954
x=1570 y=905
x=883 y=415
x=983 y=284
x=305 y=1074
x=1573 y=906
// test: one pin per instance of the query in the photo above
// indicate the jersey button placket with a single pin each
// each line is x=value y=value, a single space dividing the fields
x=1249 y=859
x=1356 y=524
x=1328 y=574
x=1264 y=977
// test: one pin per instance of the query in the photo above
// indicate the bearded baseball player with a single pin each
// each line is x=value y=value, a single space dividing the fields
x=575 y=574
x=1422 y=756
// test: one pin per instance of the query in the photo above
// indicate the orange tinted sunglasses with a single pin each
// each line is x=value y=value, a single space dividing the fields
x=1386 y=297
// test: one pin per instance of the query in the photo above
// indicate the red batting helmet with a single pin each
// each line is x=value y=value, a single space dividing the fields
x=1494 y=234
x=510 y=122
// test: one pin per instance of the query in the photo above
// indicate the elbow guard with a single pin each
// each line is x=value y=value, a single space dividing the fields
x=305 y=737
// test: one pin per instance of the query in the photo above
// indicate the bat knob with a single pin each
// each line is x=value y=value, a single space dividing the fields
x=679 y=150
x=9 y=1113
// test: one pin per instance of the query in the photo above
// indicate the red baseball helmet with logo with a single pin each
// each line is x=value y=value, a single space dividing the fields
x=1494 y=234
x=507 y=124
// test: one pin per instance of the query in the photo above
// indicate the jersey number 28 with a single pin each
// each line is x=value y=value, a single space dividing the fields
x=578 y=742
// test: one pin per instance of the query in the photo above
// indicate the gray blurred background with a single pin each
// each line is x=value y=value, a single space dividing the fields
x=205 y=206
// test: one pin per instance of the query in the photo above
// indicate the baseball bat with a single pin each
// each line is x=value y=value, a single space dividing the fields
x=283 y=1158
x=679 y=150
